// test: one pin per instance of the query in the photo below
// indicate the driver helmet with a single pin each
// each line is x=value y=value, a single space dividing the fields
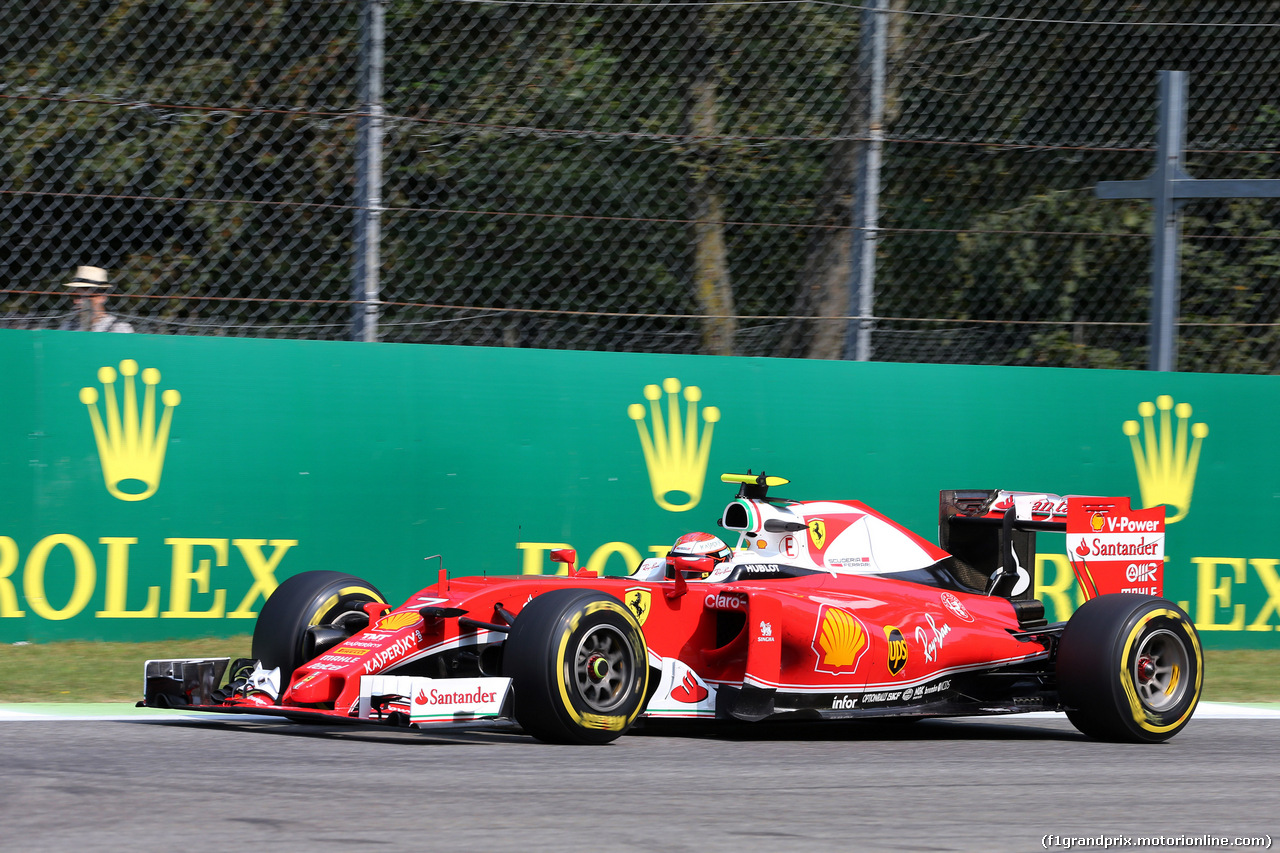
x=698 y=553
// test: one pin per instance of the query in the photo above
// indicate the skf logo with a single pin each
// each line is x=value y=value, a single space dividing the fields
x=638 y=601
x=131 y=446
x=674 y=453
x=396 y=621
x=817 y=533
x=1163 y=458
x=840 y=641
x=897 y=649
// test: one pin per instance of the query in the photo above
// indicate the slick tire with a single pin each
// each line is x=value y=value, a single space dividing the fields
x=299 y=602
x=578 y=665
x=1130 y=668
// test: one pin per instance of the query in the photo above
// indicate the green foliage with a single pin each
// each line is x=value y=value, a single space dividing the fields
x=543 y=158
x=1051 y=270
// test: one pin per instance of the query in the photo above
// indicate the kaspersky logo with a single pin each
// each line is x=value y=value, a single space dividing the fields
x=1163 y=457
x=131 y=445
x=674 y=452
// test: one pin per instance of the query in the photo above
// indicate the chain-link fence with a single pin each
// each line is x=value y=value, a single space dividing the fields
x=638 y=175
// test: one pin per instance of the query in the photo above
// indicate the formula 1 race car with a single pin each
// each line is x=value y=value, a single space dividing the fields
x=823 y=610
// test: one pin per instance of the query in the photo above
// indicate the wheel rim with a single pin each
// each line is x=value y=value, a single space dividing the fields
x=603 y=668
x=1160 y=670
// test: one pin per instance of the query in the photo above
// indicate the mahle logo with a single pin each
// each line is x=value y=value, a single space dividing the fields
x=131 y=445
x=674 y=453
x=1165 y=460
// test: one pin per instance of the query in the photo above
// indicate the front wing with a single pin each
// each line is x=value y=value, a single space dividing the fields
x=191 y=684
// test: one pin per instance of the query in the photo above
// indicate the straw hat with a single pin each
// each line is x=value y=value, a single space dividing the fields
x=89 y=277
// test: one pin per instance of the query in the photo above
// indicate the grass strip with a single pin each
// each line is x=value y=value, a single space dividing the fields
x=81 y=671
x=112 y=672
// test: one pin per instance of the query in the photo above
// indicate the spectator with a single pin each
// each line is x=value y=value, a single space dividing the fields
x=91 y=284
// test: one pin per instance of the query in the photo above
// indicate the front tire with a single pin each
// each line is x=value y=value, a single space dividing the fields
x=1130 y=668
x=298 y=603
x=579 y=667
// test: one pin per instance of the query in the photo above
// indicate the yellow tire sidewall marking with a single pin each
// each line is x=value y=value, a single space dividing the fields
x=603 y=722
x=1140 y=715
x=333 y=600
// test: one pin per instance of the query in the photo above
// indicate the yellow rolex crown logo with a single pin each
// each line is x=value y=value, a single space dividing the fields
x=131 y=445
x=1162 y=455
x=674 y=453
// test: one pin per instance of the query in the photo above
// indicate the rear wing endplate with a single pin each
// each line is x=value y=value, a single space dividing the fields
x=1111 y=546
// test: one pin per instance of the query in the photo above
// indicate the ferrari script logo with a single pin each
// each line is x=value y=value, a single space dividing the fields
x=638 y=601
x=817 y=533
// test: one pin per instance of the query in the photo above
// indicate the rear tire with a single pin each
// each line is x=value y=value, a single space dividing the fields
x=579 y=667
x=299 y=602
x=1130 y=668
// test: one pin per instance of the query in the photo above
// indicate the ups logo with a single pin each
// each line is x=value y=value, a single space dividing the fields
x=897 y=649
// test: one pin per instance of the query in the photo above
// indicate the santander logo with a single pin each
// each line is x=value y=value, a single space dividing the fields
x=690 y=691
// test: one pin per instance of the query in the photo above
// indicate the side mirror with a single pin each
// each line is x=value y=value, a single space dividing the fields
x=568 y=556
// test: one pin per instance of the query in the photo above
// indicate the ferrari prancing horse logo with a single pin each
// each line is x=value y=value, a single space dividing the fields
x=817 y=533
x=638 y=601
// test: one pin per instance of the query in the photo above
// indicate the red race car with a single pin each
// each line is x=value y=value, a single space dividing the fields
x=823 y=610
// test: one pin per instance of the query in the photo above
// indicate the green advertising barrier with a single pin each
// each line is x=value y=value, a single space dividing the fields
x=160 y=486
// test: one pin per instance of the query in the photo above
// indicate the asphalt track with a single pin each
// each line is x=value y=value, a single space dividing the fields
x=91 y=780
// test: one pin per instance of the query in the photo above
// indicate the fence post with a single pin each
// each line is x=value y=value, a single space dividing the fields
x=866 y=198
x=368 y=221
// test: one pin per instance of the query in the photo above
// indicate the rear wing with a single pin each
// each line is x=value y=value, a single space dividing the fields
x=1111 y=546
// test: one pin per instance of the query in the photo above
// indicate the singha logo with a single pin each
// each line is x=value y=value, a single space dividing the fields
x=131 y=445
x=674 y=453
x=1165 y=461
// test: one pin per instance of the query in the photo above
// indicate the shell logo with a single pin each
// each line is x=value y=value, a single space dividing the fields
x=396 y=621
x=840 y=641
